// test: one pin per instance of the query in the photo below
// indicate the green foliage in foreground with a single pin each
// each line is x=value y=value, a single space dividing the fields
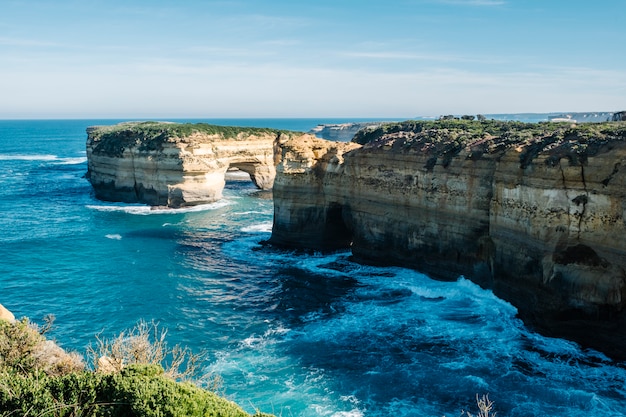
x=39 y=379
x=138 y=390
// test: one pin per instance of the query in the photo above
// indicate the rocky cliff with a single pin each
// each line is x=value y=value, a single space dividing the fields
x=534 y=211
x=341 y=132
x=169 y=164
x=307 y=213
x=619 y=116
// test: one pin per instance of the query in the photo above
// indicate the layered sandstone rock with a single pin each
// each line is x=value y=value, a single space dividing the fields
x=536 y=212
x=304 y=209
x=167 y=164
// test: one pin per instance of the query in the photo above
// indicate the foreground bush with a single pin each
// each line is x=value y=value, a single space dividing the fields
x=24 y=350
x=145 y=344
x=38 y=378
x=137 y=390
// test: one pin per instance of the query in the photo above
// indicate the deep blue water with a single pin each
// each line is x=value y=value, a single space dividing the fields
x=290 y=333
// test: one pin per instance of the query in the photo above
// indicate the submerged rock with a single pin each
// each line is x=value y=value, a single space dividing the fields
x=534 y=211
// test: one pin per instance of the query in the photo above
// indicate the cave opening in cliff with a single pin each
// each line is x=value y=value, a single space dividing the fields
x=337 y=233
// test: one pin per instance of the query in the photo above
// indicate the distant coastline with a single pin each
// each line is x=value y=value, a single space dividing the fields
x=345 y=131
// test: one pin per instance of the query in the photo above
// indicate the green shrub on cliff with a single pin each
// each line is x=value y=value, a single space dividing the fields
x=32 y=383
x=137 y=390
x=469 y=129
x=149 y=136
x=445 y=138
x=145 y=344
x=24 y=350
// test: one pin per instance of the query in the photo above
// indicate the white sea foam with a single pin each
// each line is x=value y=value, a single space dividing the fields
x=258 y=228
x=352 y=413
x=44 y=158
x=27 y=157
x=144 y=210
x=127 y=208
x=243 y=213
x=114 y=236
x=71 y=161
x=269 y=336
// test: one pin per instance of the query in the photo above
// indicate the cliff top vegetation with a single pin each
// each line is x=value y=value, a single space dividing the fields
x=180 y=130
x=446 y=138
x=150 y=136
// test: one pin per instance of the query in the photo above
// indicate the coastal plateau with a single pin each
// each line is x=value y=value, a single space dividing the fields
x=535 y=212
x=176 y=165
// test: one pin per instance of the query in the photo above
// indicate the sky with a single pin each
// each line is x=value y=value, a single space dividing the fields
x=315 y=58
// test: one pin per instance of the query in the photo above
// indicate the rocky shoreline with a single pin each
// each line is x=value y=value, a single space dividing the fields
x=533 y=211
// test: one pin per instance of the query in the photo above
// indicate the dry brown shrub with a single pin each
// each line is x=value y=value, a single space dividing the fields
x=145 y=344
x=485 y=407
x=24 y=349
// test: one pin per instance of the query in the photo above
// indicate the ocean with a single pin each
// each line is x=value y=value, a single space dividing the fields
x=290 y=333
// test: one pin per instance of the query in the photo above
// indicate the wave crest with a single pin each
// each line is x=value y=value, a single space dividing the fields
x=144 y=210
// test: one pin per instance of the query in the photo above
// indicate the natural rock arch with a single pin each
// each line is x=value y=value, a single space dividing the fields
x=176 y=165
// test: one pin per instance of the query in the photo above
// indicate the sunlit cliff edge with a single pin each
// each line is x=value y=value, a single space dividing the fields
x=534 y=211
x=176 y=165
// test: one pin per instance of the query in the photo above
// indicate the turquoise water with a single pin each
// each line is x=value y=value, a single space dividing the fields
x=290 y=333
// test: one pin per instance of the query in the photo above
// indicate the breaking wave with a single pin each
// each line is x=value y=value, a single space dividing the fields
x=144 y=210
x=43 y=157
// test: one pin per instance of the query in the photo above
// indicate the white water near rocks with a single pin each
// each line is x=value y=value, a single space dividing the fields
x=292 y=333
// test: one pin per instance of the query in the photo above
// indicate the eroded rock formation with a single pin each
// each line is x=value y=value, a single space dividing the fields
x=341 y=132
x=535 y=212
x=304 y=208
x=175 y=165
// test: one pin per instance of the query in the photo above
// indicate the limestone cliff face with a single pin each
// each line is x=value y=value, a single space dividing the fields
x=304 y=209
x=166 y=164
x=341 y=132
x=536 y=212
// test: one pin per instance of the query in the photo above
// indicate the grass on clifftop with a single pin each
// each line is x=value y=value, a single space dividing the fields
x=38 y=379
x=447 y=138
x=181 y=130
x=150 y=136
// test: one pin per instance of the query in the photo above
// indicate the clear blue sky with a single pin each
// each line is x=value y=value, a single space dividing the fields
x=316 y=58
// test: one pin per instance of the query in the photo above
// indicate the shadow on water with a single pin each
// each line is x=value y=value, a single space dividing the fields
x=304 y=296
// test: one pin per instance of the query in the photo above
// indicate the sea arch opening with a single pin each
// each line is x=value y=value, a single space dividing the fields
x=261 y=174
